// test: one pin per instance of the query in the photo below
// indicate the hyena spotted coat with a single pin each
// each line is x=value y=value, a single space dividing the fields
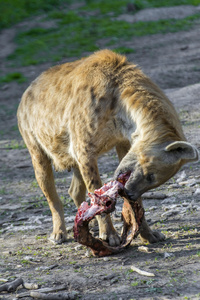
x=74 y=112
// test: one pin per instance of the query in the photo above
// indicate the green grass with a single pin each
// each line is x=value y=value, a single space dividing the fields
x=141 y=4
x=15 y=76
x=14 y=11
x=123 y=50
x=74 y=35
x=77 y=31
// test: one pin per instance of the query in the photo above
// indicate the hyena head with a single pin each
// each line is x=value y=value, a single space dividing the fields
x=150 y=168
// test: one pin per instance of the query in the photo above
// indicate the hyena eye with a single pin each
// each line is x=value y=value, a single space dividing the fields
x=150 y=177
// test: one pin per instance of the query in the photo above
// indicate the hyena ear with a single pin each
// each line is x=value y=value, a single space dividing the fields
x=183 y=150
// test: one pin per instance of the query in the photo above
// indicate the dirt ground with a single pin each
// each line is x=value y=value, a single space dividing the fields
x=173 y=62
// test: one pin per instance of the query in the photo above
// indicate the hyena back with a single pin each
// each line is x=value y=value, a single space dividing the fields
x=74 y=112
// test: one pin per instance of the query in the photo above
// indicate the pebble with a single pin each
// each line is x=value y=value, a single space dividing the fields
x=28 y=258
x=197 y=192
x=108 y=277
x=69 y=228
x=181 y=177
x=153 y=208
x=170 y=207
x=154 y=195
x=174 y=186
x=143 y=249
x=167 y=254
x=114 y=280
x=78 y=247
x=185 y=204
x=169 y=200
x=106 y=258
x=189 y=182
x=170 y=213
x=70 y=219
x=87 y=253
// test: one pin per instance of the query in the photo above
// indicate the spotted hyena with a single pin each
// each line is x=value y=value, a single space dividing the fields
x=74 y=112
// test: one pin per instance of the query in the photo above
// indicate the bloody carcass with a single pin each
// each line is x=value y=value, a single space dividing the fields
x=103 y=200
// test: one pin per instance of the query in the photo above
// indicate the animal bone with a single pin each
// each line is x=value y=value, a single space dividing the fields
x=103 y=200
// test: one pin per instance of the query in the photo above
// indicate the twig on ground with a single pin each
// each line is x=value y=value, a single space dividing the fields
x=44 y=290
x=141 y=272
x=30 y=286
x=11 y=286
x=54 y=296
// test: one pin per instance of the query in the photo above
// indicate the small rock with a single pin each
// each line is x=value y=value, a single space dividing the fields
x=170 y=213
x=153 y=208
x=69 y=228
x=106 y=258
x=167 y=254
x=189 y=182
x=181 y=177
x=154 y=195
x=143 y=249
x=29 y=258
x=185 y=204
x=174 y=186
x=108 y=277
x=169 y=200
x=170 y=207
x=70 y=219
x=197 y=192
x=114 y=280
x=103 y=176
x=78 y=247
x=87 y=253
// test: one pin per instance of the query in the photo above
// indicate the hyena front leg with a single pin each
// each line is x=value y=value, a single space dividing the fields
x=148 y=235
x=91 y=177
x=44 y=175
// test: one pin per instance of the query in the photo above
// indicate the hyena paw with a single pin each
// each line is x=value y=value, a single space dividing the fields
x=113 y=238
x=152 y=236
x=58 y=237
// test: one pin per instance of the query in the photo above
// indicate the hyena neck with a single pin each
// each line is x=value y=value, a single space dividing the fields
x=150 y=112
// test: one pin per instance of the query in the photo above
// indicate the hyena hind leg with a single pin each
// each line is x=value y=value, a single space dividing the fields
x=44 y=175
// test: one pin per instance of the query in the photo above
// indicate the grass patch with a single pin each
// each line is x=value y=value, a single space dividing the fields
x=141 y=4
x=14 y=11
x=14 y=144
x=106 y=7
x=75 y=35
x=15 y=76
x=123 y=50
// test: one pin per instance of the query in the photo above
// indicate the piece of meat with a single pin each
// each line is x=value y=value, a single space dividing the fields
x=103 y=200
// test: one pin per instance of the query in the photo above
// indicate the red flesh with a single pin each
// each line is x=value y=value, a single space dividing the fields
x=103 y=200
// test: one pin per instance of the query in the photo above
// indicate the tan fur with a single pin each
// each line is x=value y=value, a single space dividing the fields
x=74 y=112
